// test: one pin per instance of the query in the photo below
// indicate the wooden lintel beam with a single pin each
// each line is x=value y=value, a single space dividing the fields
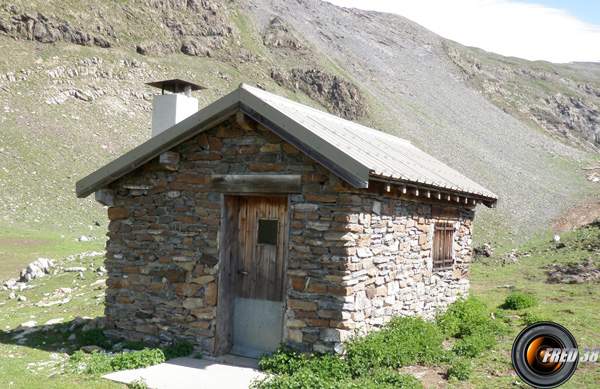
x=256 y=183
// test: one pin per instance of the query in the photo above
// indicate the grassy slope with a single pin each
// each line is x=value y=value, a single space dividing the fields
x=573 y=306
x=46 y=148
x=36 y=363
x=419 y=93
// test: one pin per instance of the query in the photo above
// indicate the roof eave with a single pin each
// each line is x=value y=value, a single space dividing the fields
x=488 y=199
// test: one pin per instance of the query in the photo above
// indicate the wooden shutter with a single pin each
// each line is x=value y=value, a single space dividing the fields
x=443 y=245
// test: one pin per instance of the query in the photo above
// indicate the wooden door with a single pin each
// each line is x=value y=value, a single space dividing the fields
x=260 y=248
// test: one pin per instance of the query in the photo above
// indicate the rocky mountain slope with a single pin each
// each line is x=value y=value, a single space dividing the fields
x=72 y=93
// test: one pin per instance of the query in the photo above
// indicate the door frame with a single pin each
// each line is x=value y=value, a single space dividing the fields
x=223 y=340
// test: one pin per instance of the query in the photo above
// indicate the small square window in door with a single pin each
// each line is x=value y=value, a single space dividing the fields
x=268 y=229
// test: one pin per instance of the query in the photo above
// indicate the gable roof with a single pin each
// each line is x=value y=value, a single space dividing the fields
x=350 y=150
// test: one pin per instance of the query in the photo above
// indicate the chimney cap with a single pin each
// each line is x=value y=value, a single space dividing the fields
x=176 y=86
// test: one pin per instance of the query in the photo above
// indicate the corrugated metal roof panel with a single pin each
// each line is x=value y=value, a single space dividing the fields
x=351 y=150
x=383 y=154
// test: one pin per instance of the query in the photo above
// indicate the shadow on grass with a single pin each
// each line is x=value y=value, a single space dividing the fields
x=48 y=337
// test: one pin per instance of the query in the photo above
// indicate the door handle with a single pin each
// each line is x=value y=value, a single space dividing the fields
x=242 y=272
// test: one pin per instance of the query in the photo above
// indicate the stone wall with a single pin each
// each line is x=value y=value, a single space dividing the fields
x=356 y=257
x=370 y=262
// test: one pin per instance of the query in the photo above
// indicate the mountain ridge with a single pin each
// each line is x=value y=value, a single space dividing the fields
x=73 y=105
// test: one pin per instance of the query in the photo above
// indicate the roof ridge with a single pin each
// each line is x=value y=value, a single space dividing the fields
x=350 y=150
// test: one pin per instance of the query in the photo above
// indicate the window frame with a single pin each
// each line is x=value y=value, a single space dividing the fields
x=258 y=232
x=443 y=245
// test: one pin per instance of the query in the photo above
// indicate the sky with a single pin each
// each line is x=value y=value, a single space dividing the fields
x=552 y=30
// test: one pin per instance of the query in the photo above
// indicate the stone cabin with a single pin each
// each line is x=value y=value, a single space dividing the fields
x=258 y=221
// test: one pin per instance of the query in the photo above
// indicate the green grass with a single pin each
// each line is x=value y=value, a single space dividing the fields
x=473 y=351
x=46 y=357
x=20 y=248
x=37 y=362
x=473 y=339
x=573 y=306
x=401 y=342
x=46 y=290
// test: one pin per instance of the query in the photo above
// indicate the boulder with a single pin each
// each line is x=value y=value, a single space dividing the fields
x=75 y=269
x=37 y=268
x=26 y=325
x=90 y=349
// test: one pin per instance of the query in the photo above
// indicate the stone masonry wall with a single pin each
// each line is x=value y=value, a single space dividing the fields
x=389 y=271
x=355 y=259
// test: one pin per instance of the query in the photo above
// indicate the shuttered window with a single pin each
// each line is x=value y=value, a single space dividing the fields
x=443 y=245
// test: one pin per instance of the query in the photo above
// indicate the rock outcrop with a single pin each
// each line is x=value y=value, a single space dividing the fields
x=339 y=96
x=48 y=29
x=579 y=273
x=279 y=35
x=562 y=104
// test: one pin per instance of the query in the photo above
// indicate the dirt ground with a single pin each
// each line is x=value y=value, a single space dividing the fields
x=577 y=216
x=430 y=377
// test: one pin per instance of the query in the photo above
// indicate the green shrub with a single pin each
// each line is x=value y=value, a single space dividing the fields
x=95 y=337
x=386 y=379
x=517 y=300
x=529 y=318
x=473 y=345
x=134 y=345
x=503 y=316
x=467 y=317
x=372 y=361
x=402 y=342
x=303 y=378
x=461 y=369
x=137 y=359
x=98 y=363
x=179 y=349
x=309 y=378
x=138 y=384
x=329 y=366
x=285 y=360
